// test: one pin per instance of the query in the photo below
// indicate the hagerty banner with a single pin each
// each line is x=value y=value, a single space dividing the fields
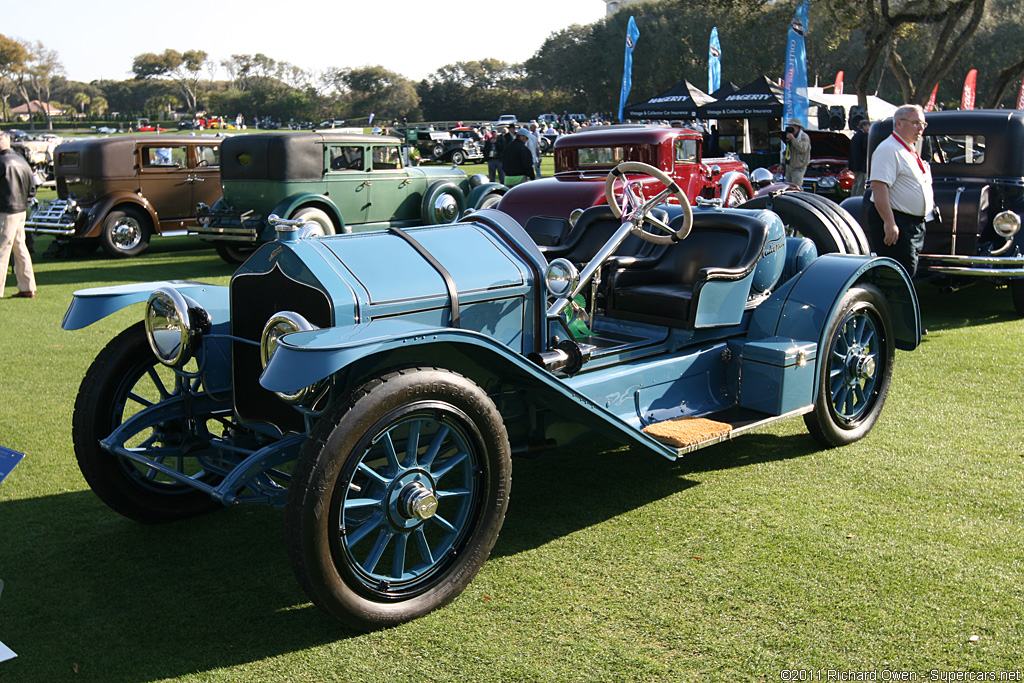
x=795 y=85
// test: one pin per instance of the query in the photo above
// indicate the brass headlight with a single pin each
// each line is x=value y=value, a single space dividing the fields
x=279 y=325
x=173 y=322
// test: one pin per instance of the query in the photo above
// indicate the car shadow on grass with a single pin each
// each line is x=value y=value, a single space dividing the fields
x=979 y=303
x=89 y=591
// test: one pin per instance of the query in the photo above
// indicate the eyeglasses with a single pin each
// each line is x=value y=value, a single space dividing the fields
x=916 y=124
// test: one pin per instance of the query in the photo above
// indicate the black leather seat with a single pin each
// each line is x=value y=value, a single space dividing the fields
x=548 y=231
x=594 y=228
x=665 y=289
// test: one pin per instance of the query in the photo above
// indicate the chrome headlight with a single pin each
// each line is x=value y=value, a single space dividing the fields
x=827 y=181
x=173 y=322
x=561 y=278
x=477 y=179
x=1006 y=223
x=279 y=325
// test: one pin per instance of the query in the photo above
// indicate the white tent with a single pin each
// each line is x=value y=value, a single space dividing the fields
x=877 y=107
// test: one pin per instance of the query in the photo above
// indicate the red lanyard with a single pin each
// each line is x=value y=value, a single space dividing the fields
x=920 y=164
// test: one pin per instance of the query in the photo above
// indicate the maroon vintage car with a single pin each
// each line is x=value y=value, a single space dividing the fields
x=582 y=163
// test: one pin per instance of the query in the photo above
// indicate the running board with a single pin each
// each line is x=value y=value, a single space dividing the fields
x=687 y=434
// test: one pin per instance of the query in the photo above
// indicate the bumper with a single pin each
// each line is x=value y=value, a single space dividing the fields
x=56 y=217
x=226 y=226
x=973 y=266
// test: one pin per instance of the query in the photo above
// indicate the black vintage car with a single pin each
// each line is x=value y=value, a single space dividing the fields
x=977 y=163
x=443 y=147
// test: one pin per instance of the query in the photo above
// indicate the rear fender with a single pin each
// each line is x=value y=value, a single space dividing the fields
x=300 y=201
x=97 y=213
x=801 y=308
x=304 y=358
x=90 y=305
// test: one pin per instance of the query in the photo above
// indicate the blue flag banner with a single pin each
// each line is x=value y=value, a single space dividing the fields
x=632 y=34
x=8 y=461
x=714 y=62
x=795 y=86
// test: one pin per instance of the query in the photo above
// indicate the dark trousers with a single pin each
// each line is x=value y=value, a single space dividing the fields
x=908 y=244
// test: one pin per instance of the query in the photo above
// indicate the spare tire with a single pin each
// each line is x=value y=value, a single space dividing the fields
x=857 y=240
x=807 y=219
x=443 y=202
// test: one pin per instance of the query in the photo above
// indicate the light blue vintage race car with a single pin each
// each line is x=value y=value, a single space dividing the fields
x=377 y=385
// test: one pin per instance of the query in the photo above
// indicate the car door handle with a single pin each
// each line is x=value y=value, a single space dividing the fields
x=367 y=183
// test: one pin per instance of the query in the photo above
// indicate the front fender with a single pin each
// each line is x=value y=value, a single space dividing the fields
x=97 y=213
x=478 y=193
x=304 y=358
x=90 y=305
x=730 y=180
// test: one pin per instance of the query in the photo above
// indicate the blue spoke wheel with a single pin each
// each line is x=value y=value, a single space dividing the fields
x=398 y=497
x=125 y=379
x=855 y=368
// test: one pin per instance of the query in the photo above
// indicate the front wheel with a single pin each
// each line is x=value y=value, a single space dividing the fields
x=125 y=232
x=322 y=223
x=458 y=158
x=125 y=379
x=1017 y=292
x=398 y=497
x=855 y=369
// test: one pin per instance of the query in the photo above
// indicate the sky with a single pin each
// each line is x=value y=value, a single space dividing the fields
x=99 y=39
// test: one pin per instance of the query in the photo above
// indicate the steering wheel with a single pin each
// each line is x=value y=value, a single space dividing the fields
x=639 y=208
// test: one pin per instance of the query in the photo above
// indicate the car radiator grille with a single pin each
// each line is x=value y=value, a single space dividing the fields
x=255 y=297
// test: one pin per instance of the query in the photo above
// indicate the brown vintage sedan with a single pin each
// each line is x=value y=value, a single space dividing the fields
x=122 y=191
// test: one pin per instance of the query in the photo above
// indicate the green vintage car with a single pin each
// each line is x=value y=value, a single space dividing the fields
x=341 y=182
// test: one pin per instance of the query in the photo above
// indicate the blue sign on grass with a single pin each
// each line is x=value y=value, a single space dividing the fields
x=8 y=461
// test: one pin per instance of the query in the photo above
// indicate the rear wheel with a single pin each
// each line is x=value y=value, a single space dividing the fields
x=398 y=497
x=458 y=158
x=855 y=369
x=322 y=223
x=234 y=253
x=125 y=232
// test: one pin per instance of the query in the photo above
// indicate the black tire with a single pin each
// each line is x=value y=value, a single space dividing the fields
x=311 y=214
x=458 y=158
x=1017 y=292
x=126 y=232
x=437 y=151
x=125 y=377
x=345 y=480
x=234 y=253
x=855 y=368
x=802 y=217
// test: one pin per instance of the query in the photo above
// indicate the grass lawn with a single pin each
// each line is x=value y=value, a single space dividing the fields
x=736 y=563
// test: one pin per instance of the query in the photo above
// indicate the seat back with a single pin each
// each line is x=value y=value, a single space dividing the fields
x=592 y=231
x=548 y=231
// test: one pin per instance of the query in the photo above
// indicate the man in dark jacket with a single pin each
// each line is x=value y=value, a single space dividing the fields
x=518 y=160
x=494 y=149
x=17 y=184
x=859 y=157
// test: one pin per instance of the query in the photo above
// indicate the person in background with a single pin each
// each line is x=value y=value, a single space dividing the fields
x=901 y=191
x=859 y=157
x=494 y=148
x=798 y=152
x=517 y=160
x=17 y=185
x=534 y=144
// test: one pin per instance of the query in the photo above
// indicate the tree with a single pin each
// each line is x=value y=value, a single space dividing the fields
x=34 y=79
x=184 y=69
x=98 y=105
x=13 y=56
x=81 y=100
x=374 y=90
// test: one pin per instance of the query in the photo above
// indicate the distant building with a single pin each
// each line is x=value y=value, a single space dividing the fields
x=616 y=5
x=22 y=112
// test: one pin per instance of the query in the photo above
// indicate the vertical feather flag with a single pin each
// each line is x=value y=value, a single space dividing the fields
x=795 y=87
x=632 y=34
x=931 y=100
x=967 y=101
x=714 y=62
x=1020 y=97
x=837 y=87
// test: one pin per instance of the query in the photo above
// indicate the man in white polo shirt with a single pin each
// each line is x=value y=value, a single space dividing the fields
x=901 y=191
